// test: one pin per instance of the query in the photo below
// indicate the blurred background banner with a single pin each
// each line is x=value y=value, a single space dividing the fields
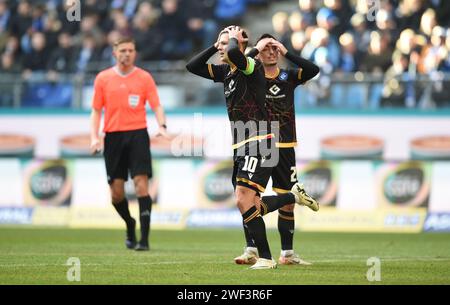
x=404 y=184
x=373 y=127
x=358 y=195
x=321 y=180
x=47 y=182
x=399 y=136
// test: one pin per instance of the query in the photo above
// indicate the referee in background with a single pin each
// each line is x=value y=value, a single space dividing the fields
x=122 y=91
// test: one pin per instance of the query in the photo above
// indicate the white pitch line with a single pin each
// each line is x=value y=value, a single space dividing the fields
x=381 y=259
x=97 y=264
x=389 y=259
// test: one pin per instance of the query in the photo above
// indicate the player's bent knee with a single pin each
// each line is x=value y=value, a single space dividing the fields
x=245 y=198
x=117 y=195
x=115 y=199
x=141 y=186
x=141 y=191
x=288 y=208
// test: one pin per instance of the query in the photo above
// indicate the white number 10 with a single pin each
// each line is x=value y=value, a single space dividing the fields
x=250 y=164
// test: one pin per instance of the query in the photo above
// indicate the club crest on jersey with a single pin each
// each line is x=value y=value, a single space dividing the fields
x=283 y=76
x=274 y=89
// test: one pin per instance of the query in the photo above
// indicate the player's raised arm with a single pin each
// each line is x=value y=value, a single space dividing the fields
x=308 y=68
x=198 y=65
x=236 y=46
x=260 y=45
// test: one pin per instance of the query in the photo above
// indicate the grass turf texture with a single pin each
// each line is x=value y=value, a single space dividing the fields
x=39 y=255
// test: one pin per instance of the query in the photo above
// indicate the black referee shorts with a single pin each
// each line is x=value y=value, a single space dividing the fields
x=127 y=152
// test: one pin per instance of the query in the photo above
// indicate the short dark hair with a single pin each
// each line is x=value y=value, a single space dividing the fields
x=265 y=35
x=124 y=40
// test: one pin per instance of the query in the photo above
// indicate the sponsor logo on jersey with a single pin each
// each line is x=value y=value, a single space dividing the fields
x=230 y=89
x=283 y=76
x=274 y=89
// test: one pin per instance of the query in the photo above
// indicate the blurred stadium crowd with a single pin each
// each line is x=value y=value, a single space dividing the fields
x=396 y=44
x=400 y=41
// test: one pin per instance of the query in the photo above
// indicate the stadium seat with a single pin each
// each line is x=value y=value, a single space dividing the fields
x=348 y=96
x=374 y=97
x=47 y=95
x=356 y=96
x=304 y=98
x=337 y=96
x=230 y=9
x=6 y=98
x=87 y=96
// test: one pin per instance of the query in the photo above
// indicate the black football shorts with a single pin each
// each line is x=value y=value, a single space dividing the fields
x=127 y=152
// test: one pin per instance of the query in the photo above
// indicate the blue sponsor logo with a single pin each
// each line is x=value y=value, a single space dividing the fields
x=283 y=76
x=167 y=218
x=401 y=221
x=16 y=215
x=215 y=218
x=437 y=222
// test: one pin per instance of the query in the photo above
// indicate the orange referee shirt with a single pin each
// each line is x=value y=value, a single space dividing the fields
x=124 y=97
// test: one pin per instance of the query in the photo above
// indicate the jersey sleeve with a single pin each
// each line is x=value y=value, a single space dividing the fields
x=253 y=53
x=217 y=72
x=199 y=66
x=250 y=66
x=98 y=102
x=152 y=93
x=295 y=76
x=243 y=63
x=306 y=69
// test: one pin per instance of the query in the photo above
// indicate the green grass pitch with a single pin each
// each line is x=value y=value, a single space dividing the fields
x=205 y=256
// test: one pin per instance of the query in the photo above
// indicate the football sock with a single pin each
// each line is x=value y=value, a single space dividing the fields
x=257 y=229
x=248 y=238
x=145 y=210
x=273 y=203
x=122 y=208
x=286 y=226
x=286 y=253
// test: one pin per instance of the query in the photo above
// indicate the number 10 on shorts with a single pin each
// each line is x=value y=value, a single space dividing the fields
x=250 y=164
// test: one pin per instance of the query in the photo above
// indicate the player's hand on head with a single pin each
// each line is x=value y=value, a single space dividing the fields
x=279 y=46
x=263 y=43
x=235 y=31
x=229 y=28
